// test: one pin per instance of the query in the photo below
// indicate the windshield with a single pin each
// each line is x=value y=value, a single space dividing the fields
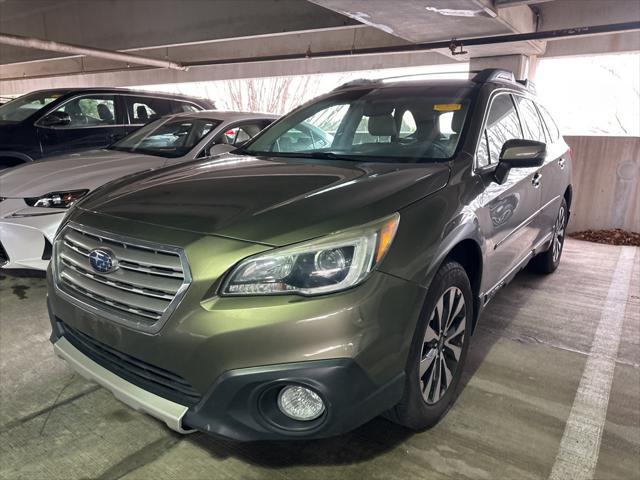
x=391 y=124
x=23 y=107
x=168 y=137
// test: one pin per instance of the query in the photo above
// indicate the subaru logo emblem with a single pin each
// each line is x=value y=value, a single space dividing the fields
x=103 y=260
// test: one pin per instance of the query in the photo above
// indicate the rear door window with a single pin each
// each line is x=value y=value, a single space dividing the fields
x=532 y=127
x=143 y=110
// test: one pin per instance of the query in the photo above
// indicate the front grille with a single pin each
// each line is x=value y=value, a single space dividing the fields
x=153 y=379
x=142 y=292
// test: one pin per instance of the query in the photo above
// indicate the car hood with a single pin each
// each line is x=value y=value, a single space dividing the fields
x=268 y=200
x=75 y=171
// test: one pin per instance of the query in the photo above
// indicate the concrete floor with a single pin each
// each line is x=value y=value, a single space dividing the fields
x=525 y=365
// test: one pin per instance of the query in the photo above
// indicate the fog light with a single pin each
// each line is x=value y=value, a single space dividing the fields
x=300 y=403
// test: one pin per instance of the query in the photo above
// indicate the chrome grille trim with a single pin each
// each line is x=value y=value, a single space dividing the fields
x=142 y=293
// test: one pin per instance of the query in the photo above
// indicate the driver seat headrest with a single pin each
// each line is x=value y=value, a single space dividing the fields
x=457 y=121
x=142 y=114
x=104 y=113
x=382 y=125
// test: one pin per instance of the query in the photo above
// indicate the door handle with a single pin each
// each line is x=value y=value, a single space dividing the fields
x=561 y=163
x=535 y=181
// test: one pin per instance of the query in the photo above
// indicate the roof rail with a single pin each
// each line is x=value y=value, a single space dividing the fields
x=357 y=82
x=377 y=81
x=493 y=74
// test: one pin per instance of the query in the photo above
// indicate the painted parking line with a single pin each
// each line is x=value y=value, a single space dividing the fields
x=580 y=445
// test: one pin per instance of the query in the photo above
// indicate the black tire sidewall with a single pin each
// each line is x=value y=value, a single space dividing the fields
x=555 y=264
x=418 y=414
x=543 y=262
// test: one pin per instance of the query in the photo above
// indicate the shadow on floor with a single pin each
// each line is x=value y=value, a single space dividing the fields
x=492 y=324
x=365 y=443
x=21 y=273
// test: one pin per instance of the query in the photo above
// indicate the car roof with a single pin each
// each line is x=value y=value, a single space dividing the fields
x=495 y=77
x=148 y=93
x=227 y=116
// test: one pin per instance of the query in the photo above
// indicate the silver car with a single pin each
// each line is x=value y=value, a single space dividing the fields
x=35 y=197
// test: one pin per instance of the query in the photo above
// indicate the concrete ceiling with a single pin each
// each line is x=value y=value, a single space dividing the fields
x=202 y=32
x=433 y=20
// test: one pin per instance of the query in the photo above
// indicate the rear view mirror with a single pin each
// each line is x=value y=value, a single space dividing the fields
x=518 y=153
x=56 y=119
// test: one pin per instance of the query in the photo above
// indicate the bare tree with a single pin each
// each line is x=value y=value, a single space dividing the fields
x=272 y=95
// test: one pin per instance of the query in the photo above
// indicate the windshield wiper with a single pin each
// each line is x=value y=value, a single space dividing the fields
x=334 y=156
x=314 y=155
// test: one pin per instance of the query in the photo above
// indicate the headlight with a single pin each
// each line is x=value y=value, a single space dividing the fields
x=56 y=199
x=335 y=262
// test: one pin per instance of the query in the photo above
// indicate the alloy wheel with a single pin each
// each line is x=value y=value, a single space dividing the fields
x=442 y=345
x=558 y=234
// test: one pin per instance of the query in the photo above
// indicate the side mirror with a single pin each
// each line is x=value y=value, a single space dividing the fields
x=518 y=153
x=56 y=119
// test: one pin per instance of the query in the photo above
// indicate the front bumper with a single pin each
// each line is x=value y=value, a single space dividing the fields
x=27 y=234
x=169 y=412
x=241 y=404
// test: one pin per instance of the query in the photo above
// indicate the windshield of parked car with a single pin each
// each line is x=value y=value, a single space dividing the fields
x=23 y=107
x=392 y=124
x=167 y=137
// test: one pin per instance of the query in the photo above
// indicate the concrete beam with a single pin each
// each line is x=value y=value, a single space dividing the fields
x=134 y=77
x=326 y=39
x=126 y=24
x=66 y=48
x=561 y=14
x=516 y=3
x=595 y=45
x=417 y=21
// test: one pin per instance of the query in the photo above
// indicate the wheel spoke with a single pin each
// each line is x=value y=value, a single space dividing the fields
x=431 y=335
x=427 y=361
x=437 y=315
x=455 y=309
x=447 y=377
x=429 y=384
x=455 y=331
x=454 y=349
x=436 y=380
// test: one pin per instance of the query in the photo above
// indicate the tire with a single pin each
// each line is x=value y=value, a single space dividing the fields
x=547 y=262
x=421 y=407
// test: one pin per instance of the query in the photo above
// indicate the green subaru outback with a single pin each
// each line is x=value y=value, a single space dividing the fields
x=331 y=270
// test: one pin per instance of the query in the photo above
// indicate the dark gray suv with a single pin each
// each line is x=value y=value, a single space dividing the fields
x=308 y=282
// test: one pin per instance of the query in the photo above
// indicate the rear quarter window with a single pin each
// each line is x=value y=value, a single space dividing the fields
x=552 y=127
x=531 y=123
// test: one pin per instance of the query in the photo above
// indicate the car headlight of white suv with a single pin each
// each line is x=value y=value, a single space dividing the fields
x=56 y=199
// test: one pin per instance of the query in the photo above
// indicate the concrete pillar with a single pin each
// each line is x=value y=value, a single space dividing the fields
x=523 y=66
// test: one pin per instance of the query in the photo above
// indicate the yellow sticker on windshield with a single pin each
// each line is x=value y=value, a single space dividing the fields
x=447 y=107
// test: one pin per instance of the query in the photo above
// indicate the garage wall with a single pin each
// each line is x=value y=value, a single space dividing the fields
x=606 y=171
